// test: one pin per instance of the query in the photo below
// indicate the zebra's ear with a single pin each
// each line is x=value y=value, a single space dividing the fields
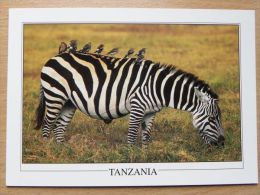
x=201 y=95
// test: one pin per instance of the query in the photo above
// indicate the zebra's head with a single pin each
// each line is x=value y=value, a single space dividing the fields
x=207 y=119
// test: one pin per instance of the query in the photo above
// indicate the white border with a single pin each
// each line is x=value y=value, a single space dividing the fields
x=18 y=174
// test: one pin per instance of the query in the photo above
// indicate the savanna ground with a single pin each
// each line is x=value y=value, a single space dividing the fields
x=208 y=51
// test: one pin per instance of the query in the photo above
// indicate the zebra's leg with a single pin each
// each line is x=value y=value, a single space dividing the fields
x=146 y=128
x=53 y=109
x=135 y=119
x=66 y=114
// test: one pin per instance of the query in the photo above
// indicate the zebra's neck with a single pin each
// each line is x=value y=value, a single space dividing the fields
x=168 y=86
x=173 y=88
x=180 y=91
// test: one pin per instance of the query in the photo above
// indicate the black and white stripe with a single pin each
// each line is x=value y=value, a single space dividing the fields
x=107 y=88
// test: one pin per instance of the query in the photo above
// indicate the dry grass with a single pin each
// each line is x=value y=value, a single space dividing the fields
x=210 y=52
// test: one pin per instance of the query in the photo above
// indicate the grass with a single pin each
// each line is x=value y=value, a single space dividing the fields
x=208 y=51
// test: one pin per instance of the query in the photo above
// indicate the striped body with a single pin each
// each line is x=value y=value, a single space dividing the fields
x=107 y=88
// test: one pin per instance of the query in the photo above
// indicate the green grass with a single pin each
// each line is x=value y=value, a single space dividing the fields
x=208 y=51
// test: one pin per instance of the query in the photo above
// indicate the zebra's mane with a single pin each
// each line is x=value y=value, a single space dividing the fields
x=202 y=85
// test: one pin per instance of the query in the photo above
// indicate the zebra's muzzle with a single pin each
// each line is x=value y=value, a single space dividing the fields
x=220 y=142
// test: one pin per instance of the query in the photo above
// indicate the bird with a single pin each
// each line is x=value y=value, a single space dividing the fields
x=139 y=58
x=63 y=47
x=141 y=52
x=73 y=45
x=86 y=48
x=113 y=51
x=100 y=48
x=129 y=53
x=140 y=55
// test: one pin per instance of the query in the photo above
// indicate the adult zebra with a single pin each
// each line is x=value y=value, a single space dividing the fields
x=107 y=88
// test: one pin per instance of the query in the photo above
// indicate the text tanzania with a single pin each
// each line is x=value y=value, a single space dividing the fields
x=132 y=171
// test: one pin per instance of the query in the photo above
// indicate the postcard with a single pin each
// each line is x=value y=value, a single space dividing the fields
x=131 y=97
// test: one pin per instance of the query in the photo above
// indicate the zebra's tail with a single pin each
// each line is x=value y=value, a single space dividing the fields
x=39 y=114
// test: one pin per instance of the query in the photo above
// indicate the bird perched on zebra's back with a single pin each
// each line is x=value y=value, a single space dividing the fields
x=73 y=46
x=139 y=58
x=141 y=52
x=129 y=53
x=86 y=48
x=62 y=48
x=140 y=55
x=100 y=48
x=113 y=52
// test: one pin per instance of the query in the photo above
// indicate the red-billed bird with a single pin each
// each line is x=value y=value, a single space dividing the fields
x=100 y=48
x=63 y=47
x=129 y=53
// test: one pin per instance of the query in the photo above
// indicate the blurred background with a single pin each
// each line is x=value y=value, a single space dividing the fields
x=211 y=52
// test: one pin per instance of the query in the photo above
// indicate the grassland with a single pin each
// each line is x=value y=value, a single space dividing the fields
x=210 y=52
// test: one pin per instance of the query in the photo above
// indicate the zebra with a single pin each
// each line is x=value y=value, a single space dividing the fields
x=110 y=88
